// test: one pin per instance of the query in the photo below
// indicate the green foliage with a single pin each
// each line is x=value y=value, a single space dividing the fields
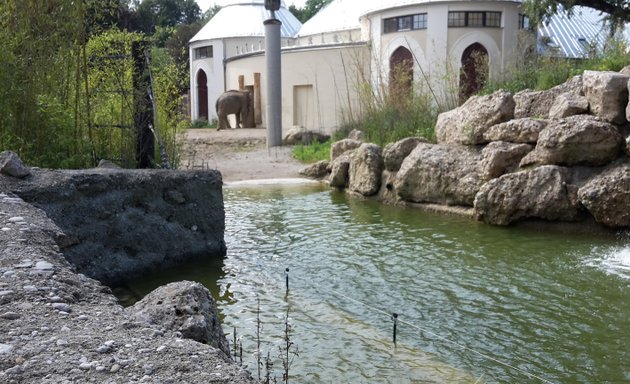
x=401 y=109
x=203 y=123
x=311 y=7
x=311 y=153
x=617 y=11
x=166 y=13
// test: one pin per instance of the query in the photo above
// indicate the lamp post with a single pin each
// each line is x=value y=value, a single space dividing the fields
x=274 y=75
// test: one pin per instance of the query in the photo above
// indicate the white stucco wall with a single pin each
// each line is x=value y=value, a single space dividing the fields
x=213 y=67
x=318 y=75
x=319 y=86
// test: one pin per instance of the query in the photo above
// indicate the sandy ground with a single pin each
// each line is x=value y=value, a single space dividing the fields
x=239 y=154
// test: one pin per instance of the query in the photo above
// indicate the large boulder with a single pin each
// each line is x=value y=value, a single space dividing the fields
x=537 y=104
x=299 y=135
x=541 y=193
x=11 y=165
x=568 y=104
x=607 y=94
x=395 y=153
x=338 y=169
x=467 y=124
x=184 y=306
x=356 y=134
x=500 y=157
x=341 y=146
x=523 y=130
x=576 y=140
x=607 y=196
x=366 y=166
x=318 y=170
x=441 y=174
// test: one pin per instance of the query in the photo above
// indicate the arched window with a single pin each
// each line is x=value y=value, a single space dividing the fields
x=401 y=73
x=474 y=71
x=202 y=95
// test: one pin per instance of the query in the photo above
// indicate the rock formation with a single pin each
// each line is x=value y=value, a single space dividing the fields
x=554 y=155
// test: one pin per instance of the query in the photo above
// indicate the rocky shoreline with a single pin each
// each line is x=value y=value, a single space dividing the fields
x=558 y=156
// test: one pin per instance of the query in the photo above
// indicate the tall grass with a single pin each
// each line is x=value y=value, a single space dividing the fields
x=393 y=111
x=544 y=72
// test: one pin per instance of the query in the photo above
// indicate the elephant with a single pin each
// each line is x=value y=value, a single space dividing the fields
x=238 y=103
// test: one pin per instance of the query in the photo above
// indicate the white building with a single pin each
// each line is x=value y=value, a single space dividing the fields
x=328 y=61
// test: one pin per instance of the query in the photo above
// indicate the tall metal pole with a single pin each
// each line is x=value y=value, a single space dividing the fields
x=274 y=81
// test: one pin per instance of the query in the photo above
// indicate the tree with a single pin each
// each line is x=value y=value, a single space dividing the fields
x=618 y=10
x=311 y=7
x=166 y=13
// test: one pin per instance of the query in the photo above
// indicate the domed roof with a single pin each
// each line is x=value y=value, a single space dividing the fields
x=243 y=18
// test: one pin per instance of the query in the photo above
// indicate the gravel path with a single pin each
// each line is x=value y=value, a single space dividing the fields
x=239 y=154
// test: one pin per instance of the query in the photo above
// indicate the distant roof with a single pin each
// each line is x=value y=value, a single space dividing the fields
x=343 y=15
x=245 y=18
x=574 y=36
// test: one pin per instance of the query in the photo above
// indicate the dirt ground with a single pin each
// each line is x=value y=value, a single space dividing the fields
x=239 y=154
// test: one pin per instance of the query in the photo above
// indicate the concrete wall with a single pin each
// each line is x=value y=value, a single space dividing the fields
x=319 y=85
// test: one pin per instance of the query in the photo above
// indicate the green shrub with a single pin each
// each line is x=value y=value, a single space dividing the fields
x=311 y=153
x=203 y=123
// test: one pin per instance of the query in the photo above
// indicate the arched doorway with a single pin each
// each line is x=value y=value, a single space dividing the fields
x=401 y=74
x=202 y=95
x=474 y=71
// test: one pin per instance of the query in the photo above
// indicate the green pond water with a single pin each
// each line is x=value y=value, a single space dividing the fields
x=476 y=303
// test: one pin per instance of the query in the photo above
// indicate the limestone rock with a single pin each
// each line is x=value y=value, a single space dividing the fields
x=297 y=135
x=441 y=174
x=607 y=196
x=607 y=94
x=339 y=171
x=11 y=165
x=184 y=306
x=576 y=140
x=568 y=104
x=541 y=193
x=387 y=193
x=625 y=70
x=366 y=166
x=318 y=170
x=103 y=163
x=468 y=123
x=395 y=153
x=500 y=157
x=524 y=130
x=537 y=104
x=342 y=146
x=355 y=134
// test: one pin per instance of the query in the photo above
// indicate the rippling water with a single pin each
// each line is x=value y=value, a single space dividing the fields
x=476 y=303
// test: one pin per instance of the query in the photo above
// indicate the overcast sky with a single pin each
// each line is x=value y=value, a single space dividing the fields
x=205 y=4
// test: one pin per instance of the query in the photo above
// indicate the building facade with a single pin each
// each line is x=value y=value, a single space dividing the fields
x=447 y=48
